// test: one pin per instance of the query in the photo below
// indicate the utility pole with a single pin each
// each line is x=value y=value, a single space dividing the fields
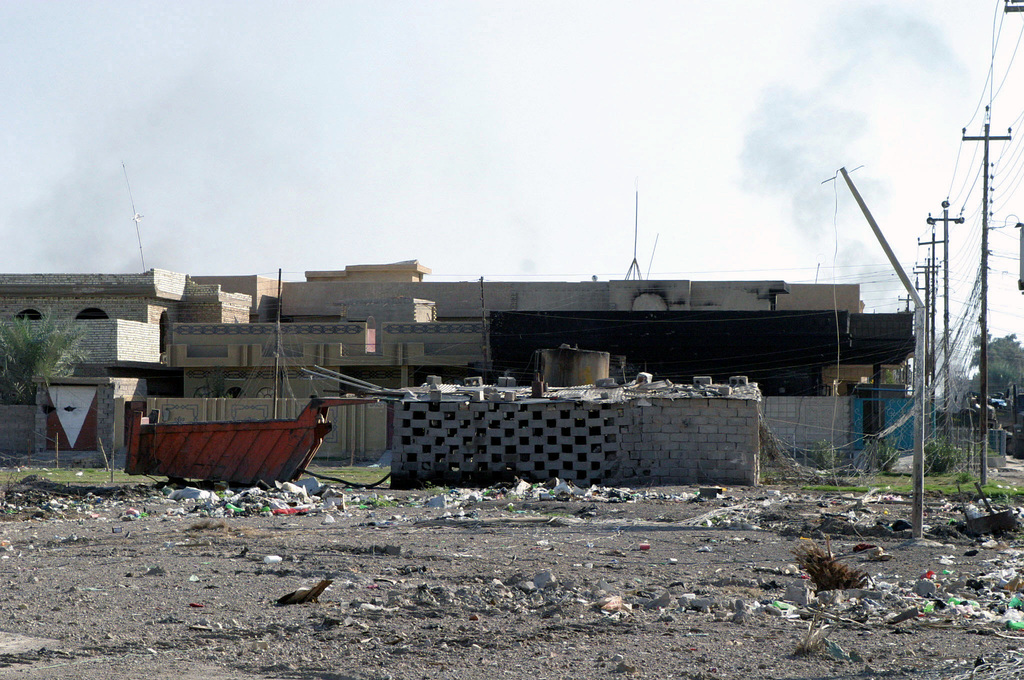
x=946 y=377
x=917 y=505
x=277 y=346
x=929 y=270
x=929 y=329
x=983 y=317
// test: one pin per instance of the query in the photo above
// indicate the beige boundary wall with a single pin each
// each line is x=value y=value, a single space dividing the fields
x=801 y=422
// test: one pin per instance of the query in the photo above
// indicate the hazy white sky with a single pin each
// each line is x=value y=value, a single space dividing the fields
x=506 y=139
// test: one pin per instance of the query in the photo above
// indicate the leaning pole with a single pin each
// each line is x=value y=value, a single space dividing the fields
x=917 y=514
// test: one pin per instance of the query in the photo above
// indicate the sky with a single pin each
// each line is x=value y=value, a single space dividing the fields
x=513 y=140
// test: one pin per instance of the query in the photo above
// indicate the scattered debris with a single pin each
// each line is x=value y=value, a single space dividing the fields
x=304 y=595
x=826 y=572
x=813 y=640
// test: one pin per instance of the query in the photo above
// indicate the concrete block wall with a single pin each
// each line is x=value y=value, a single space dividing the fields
x=137 y=341
x=801 y=422
x=478 y=441
x=67 y=308
x=110 y=340
x=17 y=438
x=664 y=441
x=695 y=441
x=166 y=278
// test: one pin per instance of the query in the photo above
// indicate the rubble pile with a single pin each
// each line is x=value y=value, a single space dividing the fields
x=425 y=574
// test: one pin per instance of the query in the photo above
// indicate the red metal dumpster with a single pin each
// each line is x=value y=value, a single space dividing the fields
x=237 y=452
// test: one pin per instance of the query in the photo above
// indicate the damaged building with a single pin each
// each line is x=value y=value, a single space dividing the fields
x=209 y=347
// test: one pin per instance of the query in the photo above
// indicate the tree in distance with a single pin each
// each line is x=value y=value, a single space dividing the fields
x=36 y=347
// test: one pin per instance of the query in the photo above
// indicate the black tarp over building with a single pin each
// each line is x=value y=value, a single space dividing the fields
x=784 y=351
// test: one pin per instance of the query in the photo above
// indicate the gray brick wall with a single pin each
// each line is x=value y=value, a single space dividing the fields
x=801 y=422
x=16 y=431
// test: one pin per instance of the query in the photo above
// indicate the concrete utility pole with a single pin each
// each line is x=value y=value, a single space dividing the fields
x=946 y=377
x=928 y=269
x=277 y=346
x=983 y=318
x=1020 y=280
x=917 y=510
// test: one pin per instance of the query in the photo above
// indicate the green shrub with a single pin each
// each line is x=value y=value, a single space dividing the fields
x=963 y=477
x=940 y=457
x=882 y=455
x=824 y=455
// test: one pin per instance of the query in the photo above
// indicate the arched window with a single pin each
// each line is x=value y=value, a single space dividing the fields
x=29 y=314
x=91 y=313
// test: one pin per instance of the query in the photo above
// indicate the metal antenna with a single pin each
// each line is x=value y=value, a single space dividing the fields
x=136 y=217
x=653 y=250
x=634 y=268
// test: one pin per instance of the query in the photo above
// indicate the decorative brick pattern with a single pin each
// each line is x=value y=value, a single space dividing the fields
x=681 y=441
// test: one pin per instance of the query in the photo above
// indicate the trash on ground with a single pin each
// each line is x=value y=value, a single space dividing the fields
x=303 y=595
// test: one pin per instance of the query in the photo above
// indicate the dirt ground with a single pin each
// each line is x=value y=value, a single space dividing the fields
x=644 y=583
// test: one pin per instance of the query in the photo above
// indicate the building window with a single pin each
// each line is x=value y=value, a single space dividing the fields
x=29 y=314
x=165 y=331
x=91 y=313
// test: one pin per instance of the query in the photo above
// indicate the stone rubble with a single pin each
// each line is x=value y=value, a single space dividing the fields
x=940 y=593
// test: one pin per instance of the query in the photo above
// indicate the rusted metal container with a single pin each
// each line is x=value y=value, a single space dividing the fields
x=236 y=452
x=569 y=366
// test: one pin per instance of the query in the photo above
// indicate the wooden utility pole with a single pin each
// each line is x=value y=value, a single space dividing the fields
x=946 y=377
x=983 y=317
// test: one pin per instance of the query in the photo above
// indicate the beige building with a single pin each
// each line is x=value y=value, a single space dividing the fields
x=165 y=334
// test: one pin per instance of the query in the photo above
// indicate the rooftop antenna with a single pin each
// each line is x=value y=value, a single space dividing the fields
x=634 y=268
x=653 y=250
x=136 y=217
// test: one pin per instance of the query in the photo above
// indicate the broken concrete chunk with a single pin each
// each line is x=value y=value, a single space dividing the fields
x=925 y=588
x=799 y=593
x=543 y=580
x=660 y=602
x=702 y=604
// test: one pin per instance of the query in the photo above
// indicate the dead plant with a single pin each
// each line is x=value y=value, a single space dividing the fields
x=826 y=572
x=813 y=640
